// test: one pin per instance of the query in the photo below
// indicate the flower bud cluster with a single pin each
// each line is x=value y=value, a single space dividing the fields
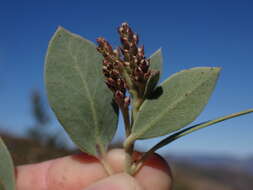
x=111 y=71
x=134 y=55
x=129 y=58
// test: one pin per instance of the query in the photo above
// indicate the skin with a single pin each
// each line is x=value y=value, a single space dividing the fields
x=84 y=172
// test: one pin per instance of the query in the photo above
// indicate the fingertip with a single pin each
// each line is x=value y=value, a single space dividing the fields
x=152 y=178
x=155 y=173
x=116 y=157
x=158 y=162
x=116 y=182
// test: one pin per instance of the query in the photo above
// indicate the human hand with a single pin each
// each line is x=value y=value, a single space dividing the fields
x=84 y=172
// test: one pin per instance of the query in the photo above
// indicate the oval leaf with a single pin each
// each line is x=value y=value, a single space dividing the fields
x=184 y=96
x=77 y=92
x=7 y=177
x=156 y=61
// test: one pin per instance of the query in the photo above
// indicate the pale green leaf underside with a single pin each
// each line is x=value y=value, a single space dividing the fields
x=7 y=176
x=156 y=61
x=77 y=93
x=184 y=96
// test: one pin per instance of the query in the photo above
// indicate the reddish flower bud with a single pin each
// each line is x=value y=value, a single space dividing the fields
x=116 y=52
x=105 y=71
x=125 y=26
x=147 y=75
x=111 y=82
x=136 y=38
x=106 y=62
x=144 y=66
x=104 y=46
x=121 y=85
x=99 y=50
x=99 y=41
x=115 y=73
x=136 y=78
x=126 y=63
x=120 y=29
x=138 y=72
x=109 y=86
x=125 y=43
x=141 y=51
x=119 y=98
x=127 y=101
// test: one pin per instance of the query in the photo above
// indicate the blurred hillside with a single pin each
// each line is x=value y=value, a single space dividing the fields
x=27 y=151
x=193 y=175
x=189 y=174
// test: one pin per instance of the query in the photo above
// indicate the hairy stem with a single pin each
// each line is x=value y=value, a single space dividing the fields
x=129 y=148
x=136 y=103
x=128 y=124
x=184 y=132
x=129 y=142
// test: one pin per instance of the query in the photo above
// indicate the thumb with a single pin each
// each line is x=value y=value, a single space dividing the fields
x=116 y=182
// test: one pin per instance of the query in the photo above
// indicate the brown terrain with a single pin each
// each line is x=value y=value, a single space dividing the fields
x=187 y=176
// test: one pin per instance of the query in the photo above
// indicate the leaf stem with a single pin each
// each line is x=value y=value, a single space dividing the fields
x=129 y=148
x=102 y=155
x=184 y=132
x=126 y=119
x=129 y=142
x=136 y=103
x=128 y=124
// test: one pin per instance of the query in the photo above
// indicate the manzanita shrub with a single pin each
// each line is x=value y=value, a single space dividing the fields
x=88 y=85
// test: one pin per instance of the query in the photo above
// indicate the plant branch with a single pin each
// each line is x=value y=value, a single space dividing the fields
x=128 y=124
x=129 y=147
x=184 y=132
x=129 y=142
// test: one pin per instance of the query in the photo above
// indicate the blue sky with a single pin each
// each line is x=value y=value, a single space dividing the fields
x=191 y=33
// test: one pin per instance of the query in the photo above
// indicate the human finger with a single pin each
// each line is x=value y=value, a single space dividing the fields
x=155 y=174
x=121 y=181
x=71 y=172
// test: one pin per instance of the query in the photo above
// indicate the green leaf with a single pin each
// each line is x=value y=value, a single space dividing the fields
x=7 y=177
x=156 y=61
x=1 y=186
x=77 y=92
x=151 y=83
x=184 y=95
